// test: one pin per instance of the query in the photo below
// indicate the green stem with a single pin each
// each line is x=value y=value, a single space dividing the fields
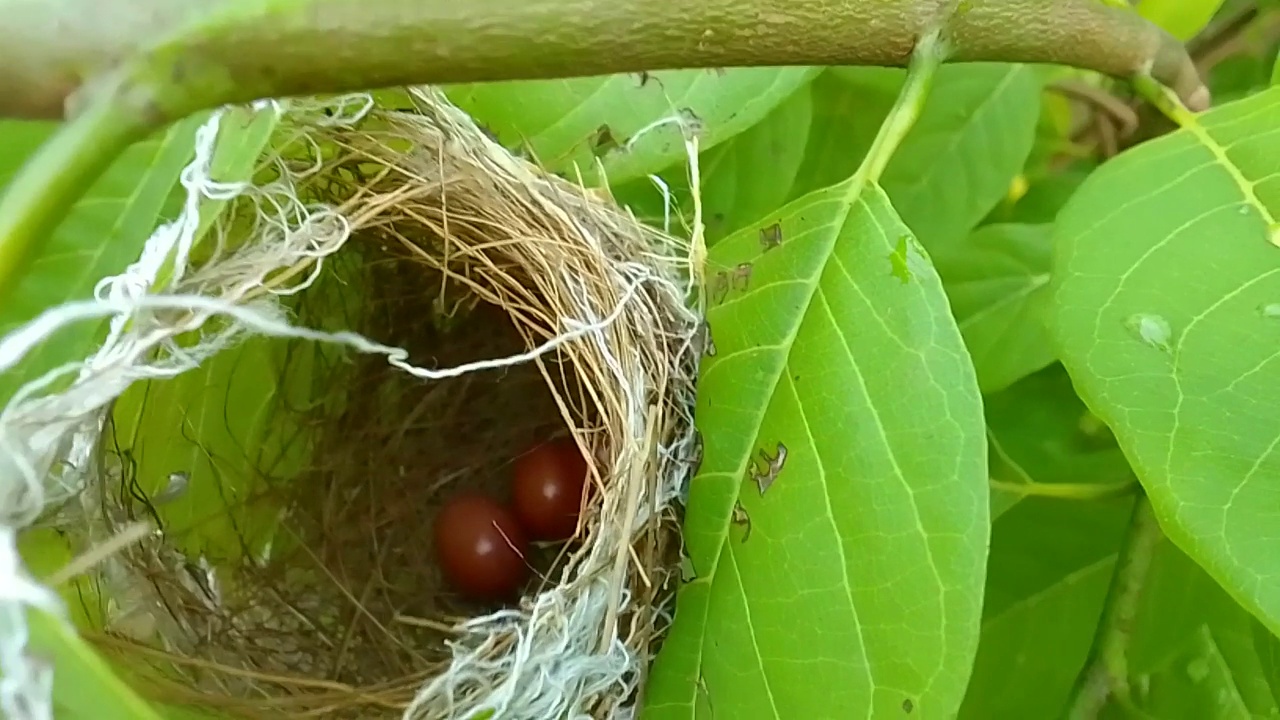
x=1106 y=674
x=923 y=68
x=1067 y=491
x=57 y=176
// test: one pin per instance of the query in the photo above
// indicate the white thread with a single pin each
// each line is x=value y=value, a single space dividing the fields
x=554 y=662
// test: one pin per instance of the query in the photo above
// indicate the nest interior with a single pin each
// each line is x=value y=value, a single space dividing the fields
x=456 y=256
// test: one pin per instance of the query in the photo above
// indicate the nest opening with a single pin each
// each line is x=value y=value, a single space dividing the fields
x=461 y=256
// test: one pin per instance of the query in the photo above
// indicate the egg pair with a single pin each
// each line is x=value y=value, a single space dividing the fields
x=481 y=545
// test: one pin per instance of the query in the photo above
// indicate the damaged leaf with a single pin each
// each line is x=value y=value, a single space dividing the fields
x=559 y=120
x=883 y=501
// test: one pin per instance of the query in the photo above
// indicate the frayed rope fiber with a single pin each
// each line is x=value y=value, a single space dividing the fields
x=497 y=305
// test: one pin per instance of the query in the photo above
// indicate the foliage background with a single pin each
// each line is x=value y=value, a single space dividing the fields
x=970 y=365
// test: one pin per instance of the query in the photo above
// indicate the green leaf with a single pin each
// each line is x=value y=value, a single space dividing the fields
x=1049 y=572
x=102 y=234
x=1167 y=290
x=1040 y=432
x=849 y=106
x=972 y=140
x=560 y=121
x=998 y=282
x=880 y=504
x=957 y=162
x=1047 y=577
x=1046 y=196
x=242 y=135
x=84 y=687
x=45 y=551
x=1180 y=18
x=217 y=425
x=1192 y=650
x=1199 y=682
x=752 y=175
x=1267 y=646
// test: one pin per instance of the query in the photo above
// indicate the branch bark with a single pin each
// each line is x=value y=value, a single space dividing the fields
x=196 y=54
x=1105 y=677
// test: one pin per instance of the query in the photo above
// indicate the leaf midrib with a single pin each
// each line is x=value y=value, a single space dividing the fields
x=846 y=204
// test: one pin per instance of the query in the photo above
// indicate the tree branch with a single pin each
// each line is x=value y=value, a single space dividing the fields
x=197 y=54
x=1106 y=675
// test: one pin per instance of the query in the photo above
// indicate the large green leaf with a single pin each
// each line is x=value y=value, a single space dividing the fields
x=1167 y=291
x=849 y=106
x=561 y=121
x=840 y=347
x=998 y=282
x=100 y=236
x=971 y=141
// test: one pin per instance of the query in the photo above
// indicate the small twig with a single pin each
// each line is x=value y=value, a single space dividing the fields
x=1113 y=107
x=1106 y=674
x=1222 y=32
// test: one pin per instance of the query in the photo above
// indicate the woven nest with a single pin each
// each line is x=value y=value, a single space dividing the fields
x=527 y=309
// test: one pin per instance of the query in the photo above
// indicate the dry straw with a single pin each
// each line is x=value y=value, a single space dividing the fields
x=451 y=305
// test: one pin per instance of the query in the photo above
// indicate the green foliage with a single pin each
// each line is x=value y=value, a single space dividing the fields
x=218 y=425
x=975 y=365
x=568 y=124
x=100 y=236
x=1182 y=18
x=998 y=282
x=1166 y=281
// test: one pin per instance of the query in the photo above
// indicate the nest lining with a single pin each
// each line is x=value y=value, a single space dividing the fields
x=469 y=260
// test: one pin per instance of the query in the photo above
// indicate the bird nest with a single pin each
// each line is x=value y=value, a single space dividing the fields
x=450 y=307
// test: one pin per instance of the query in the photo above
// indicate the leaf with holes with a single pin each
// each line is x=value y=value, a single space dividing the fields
x=819 y=515
x=628 y=121
x=103 y=233
x=998 y=282
x=752 y=174
x=1167 y=313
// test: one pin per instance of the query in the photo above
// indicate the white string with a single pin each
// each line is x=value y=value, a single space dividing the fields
x=553 y=662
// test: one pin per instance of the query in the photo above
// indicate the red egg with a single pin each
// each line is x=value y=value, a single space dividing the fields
x=547 y=492
x=481 y=548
